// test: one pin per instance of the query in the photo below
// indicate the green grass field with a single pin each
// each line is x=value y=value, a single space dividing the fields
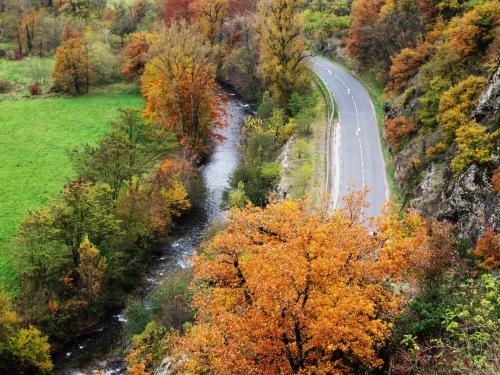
x=35 y=137
x=25 y=72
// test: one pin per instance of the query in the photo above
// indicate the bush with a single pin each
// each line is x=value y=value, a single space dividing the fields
x=266 y=106
x=256 y=187
x=171 y=301
x=169 y=305
x=35 y=89
x=5 y=86
x=435 y=149
x=137 y=317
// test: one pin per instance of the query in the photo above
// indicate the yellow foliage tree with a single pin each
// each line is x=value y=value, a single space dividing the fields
x=457 y=103
x=21 y=349
x=282 y=47
x=210 y=15
x=475 y=146
x=91 y=270
x=287 y=289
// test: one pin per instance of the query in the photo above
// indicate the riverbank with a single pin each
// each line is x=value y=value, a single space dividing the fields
x=104 y=348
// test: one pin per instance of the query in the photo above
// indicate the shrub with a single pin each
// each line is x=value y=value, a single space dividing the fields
x=5 y=86
x=266 y=106
x=35 y=89
x=255 y=186
x=472 y=325
x=398 y=128
x=148 y=349
x=237 y=197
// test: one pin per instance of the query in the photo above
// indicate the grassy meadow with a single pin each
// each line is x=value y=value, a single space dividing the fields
x=25 y=72
x=35 y=137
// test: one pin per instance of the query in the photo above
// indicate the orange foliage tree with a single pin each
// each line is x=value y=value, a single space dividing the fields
x=135 y=55
x=406 y=63
x=365 y=14
x=180 y=88
x=288 y=289
x=177 y=10
x=488 y=249
x=472 y=34
x=72 y=68
x=398 y=128
x=92 y=267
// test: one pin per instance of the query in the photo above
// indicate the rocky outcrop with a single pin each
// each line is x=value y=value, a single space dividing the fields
x=470 y=202
x=170 y=365
x=488 y=108
x=428 y=183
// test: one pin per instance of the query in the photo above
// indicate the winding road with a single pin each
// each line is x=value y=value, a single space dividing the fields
x=354 y=145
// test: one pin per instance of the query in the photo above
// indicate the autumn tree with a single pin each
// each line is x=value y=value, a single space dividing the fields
x=136 y=55
x=21 y=348
x=475 y=146
x=398 y=128
x=179 y=88
x=210 y=15
x=83 y=9
x=488 y=249
x=91 y=270
x=476 y=31
x=457 y=103
x=382 y=28
x=240 y=66
x=177 y=11
x=147 y=208
x=290 y=289
x=406 y=63
x=282 y=47
x=72 y=68
x=365 y=15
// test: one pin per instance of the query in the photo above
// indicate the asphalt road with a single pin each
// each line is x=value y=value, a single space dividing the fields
x=356 y=153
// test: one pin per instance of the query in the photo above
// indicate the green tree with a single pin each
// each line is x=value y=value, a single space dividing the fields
x=131 y=149
x=86 y=209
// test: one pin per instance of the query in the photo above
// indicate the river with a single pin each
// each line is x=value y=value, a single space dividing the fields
x=98 y=349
